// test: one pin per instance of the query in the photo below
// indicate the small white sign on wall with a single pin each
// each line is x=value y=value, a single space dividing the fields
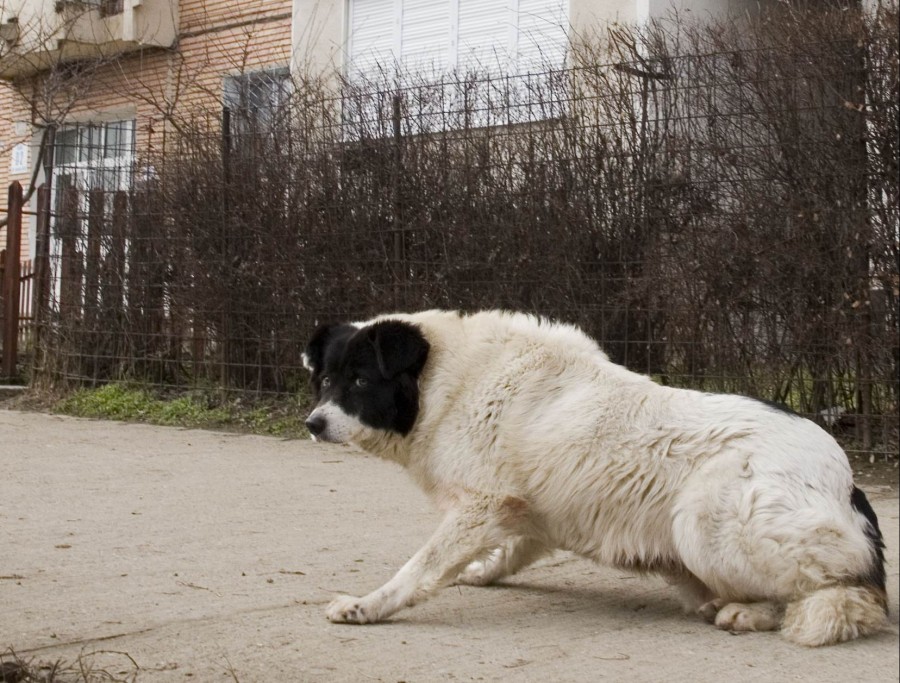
x=19 y=162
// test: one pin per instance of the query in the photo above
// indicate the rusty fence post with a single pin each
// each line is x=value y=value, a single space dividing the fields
x=11 y=283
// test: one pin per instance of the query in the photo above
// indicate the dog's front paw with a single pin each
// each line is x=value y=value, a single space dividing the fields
x=346 y=609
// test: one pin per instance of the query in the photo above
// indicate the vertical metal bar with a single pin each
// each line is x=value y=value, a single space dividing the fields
x=225 y=330
x=398 y=268
x=96 y=204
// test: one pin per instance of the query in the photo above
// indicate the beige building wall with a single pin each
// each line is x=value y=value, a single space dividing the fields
x=319 y=35
x=12 y=135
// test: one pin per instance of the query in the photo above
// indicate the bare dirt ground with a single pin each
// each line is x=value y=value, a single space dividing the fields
x=183 y=555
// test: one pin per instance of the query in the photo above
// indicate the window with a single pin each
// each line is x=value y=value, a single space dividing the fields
x=110 y=7
x=106 y=7
x=257 y=99
x=87 y=157
x=91 y=156
x=438 y=36
x=19 y=162
x=470 y=62
x=94 y=155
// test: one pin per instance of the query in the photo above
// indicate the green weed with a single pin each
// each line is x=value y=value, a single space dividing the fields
x=276 y=417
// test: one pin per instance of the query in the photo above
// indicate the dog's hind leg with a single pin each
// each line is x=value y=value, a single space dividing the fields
x=791 y=549
x=465 y=534
x=505 y=560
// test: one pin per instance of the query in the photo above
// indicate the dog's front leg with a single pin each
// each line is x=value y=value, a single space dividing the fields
x=506 y=560
x=465 y=534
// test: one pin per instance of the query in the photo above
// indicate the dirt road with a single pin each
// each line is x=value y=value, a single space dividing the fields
x=201 y=556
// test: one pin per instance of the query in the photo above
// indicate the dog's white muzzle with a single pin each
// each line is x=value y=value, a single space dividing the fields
x=328 y=422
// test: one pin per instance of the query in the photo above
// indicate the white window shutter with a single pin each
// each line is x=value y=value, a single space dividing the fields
x=425 y=43
x=433 y=36
x=373 y=36
x=484 y=35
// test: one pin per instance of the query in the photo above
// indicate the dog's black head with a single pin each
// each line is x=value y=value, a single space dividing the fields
x=365 y=377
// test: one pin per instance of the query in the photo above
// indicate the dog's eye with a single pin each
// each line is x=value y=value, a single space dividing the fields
x=326 y=382
x=361 y=381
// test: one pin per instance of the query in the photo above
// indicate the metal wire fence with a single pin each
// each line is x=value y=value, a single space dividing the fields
x=717 y=206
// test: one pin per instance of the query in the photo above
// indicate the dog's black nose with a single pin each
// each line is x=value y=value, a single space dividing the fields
x=315 y=425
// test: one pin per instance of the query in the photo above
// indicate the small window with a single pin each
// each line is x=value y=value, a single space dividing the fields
x=106 y=7
x=110 y=7
x=257 y=99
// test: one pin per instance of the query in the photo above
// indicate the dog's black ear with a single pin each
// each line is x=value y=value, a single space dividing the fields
x=314 y=356
x=399 y=347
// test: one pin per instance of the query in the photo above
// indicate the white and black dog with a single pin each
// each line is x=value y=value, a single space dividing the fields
x=529 y=439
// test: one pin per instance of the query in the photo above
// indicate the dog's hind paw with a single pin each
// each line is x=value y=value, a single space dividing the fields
x=756 y=616
x=476 y=574
x=346 y=609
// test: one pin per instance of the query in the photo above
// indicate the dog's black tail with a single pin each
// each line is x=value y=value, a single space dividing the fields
x=875 y=577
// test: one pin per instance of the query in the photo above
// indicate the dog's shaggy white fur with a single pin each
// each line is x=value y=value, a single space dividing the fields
x=530 y=439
